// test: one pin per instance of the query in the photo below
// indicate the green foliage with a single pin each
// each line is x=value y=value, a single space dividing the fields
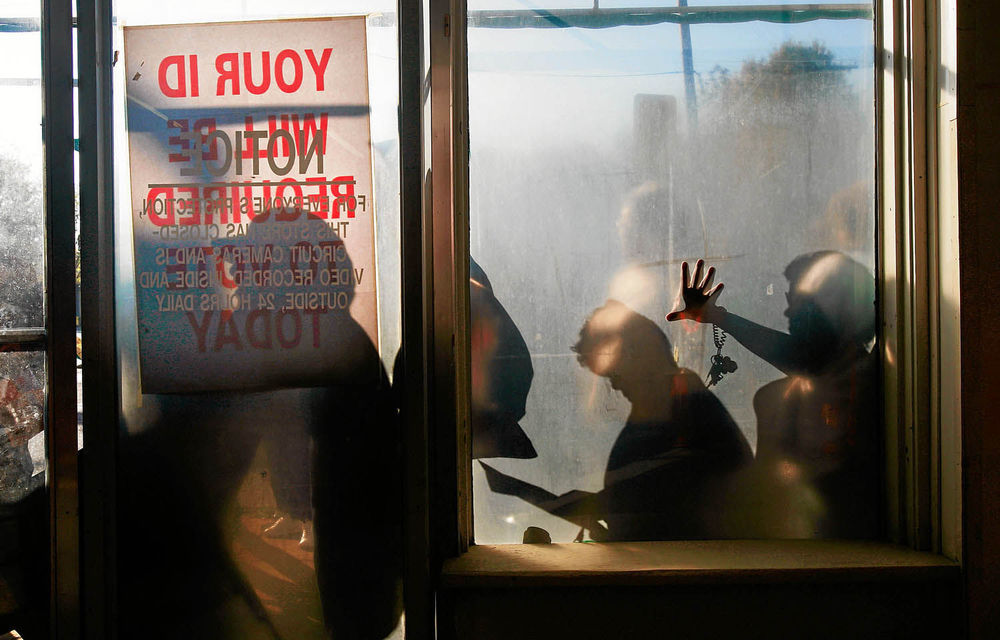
x=21 y=245
x=786 y=137
x=793 y=73
x=20 y=204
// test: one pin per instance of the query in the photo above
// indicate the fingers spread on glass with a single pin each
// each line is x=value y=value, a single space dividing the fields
x=697 y=298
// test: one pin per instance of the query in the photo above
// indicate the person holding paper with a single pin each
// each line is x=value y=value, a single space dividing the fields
x=669 y=467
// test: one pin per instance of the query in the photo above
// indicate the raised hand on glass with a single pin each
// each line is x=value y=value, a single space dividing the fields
x=698 y=297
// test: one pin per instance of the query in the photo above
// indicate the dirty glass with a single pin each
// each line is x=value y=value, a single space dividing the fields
x=22 y=404
x=606 y=150
x=24 y=548
x=21 y=242
x=24 y=545
x=24 y=551
x=259 y=489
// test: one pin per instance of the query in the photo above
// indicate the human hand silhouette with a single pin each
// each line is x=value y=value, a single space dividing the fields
x=699 y=300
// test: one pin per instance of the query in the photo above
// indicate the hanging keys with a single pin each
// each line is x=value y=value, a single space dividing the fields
x=721 y=365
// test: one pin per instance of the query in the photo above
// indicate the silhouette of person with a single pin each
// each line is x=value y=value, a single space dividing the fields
x=180 y=476
x=817 y=427
x=501 y=375
x=668 y=467
x=847 y=221
x=644 y=220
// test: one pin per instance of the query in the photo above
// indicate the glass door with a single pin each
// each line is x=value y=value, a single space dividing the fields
x=259 y=489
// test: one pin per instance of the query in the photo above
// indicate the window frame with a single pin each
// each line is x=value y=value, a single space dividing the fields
x=917 y=275
x=101 y=382
x=60 y=305
x=91 y=562
x=95 y=570
x=918 y=256
x=57 y=337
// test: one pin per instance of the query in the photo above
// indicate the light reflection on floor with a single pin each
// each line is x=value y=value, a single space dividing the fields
x=283 y=577
x=281 y=573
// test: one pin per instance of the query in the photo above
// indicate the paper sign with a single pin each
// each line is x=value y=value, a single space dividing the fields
x=252 y=205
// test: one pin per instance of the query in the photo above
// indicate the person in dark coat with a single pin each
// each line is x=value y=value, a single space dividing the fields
x=669 y=467
x=501 y=375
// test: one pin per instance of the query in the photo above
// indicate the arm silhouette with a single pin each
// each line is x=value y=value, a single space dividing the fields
x=699 y=302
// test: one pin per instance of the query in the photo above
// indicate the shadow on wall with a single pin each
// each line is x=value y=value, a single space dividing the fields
x=187 y=565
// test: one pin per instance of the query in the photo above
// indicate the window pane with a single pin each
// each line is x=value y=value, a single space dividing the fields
x=22 y=402
x=24 y=548
x=600 y=161
x=259 y=443
x=24 y=508
x=21 y=258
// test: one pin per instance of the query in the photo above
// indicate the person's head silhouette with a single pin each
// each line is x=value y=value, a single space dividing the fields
x=284 y=252
x=625 y=347
x=831 y=302
x=287 y=283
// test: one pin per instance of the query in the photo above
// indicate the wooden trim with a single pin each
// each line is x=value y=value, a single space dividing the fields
x=690 y=562
x=449 y=438
x=943 y=98
x=60 y=278
x=97 y=320
x=414 y=374
x=917 y=271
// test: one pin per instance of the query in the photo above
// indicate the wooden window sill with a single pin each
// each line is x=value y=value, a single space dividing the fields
x=691 y=562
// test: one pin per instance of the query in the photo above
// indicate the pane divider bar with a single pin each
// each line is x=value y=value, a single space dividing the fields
x=60 y=299
x=22 y=335
x=101 y=382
